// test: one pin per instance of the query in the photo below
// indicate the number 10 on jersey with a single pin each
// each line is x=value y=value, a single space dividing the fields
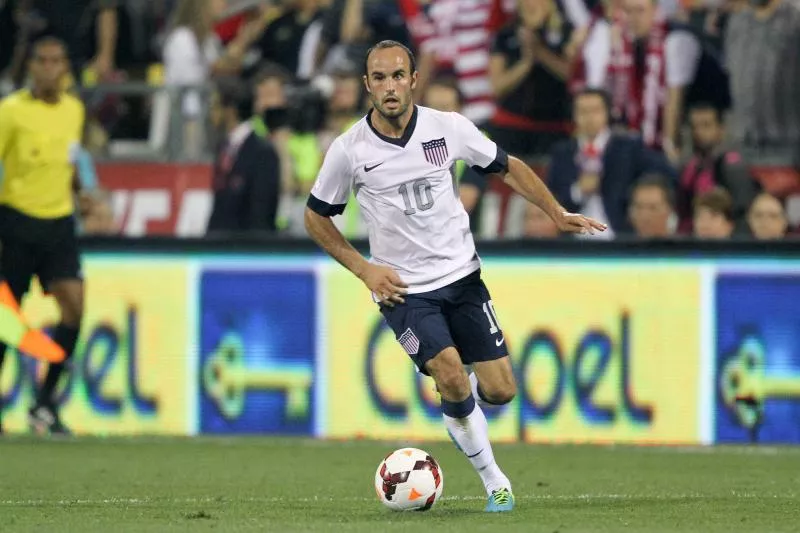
x=422 y=196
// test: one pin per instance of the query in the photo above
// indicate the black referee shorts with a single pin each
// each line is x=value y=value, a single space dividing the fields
x=29 y=246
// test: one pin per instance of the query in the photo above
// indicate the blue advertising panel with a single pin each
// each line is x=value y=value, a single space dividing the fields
x=257 y=336
x=757 y=374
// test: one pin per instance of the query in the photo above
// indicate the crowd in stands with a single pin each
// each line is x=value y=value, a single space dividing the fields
x=645 y=114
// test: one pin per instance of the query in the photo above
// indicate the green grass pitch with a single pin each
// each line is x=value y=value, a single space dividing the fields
x=260 y=484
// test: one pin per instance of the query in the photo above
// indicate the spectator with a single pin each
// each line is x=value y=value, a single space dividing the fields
x=444 y=95
x=649 y=64
x=281 y=41
x=431 y=26
x=193 y=54
x=344 y=106
x=475 y=23
x=351 y=26
x=762 y=50
x=538 y=225
x=246 y=170
x=652 y=208
x=713 y=215
x=72 y=21
x=271 y=121
x=767 y=218
x=528 y=70
x=593 y=173
x=713 y=165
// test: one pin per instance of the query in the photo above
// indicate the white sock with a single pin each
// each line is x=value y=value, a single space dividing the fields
x=473 y=382
x=472 y=435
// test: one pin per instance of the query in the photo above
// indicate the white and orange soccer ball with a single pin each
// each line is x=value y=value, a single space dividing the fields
x=409 y=479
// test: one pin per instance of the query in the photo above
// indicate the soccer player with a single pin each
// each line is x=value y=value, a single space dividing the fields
x=40 y=135
x=425 y=272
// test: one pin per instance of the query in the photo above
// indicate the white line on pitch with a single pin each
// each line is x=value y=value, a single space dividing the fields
x=278 y=499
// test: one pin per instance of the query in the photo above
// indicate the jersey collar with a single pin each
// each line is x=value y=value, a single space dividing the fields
x=401 y=141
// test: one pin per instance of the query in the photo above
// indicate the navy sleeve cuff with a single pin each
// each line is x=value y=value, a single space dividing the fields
x=500 y=164
x=324 y=208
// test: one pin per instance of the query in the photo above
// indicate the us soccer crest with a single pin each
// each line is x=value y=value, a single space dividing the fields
x=435 y=151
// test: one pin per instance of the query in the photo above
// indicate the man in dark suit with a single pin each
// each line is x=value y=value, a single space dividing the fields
x=246 y=170
x=593 y=173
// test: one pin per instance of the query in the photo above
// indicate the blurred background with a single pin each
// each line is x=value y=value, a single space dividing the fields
x=677 y=122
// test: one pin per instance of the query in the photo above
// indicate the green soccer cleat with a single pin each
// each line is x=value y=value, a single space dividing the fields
x=500 y=501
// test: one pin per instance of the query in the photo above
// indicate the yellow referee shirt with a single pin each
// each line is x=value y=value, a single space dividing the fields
x=39 y=143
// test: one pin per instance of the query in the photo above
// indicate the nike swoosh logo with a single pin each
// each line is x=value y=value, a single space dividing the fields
x=367 y=169
x=475 y=454
x=500 y=341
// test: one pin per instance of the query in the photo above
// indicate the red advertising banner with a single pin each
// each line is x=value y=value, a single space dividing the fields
x=158 y=199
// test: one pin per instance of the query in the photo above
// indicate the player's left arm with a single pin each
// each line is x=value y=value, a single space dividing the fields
x=520 y=177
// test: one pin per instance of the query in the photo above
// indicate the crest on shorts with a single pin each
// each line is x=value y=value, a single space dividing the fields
x=435 y=151
x=409 y=342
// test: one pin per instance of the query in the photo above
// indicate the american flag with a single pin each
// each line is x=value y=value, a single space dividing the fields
x=435 y=151
x=409 y=342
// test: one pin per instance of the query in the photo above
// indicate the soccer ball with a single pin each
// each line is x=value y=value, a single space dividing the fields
x=409 y=479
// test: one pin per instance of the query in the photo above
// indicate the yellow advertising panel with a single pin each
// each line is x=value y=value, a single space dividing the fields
x=608 y=352
x=130 y=371
x=373 y=389
x=605 y=352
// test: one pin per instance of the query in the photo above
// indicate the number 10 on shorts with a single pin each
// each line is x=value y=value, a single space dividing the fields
x=491 y=316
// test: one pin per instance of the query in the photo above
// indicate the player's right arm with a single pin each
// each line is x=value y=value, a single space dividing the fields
x=328 y=198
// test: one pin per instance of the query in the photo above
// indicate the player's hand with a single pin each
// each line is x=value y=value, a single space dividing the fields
x=385 y=284
x=576 y=223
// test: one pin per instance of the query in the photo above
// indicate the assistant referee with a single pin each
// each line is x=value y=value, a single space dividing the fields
x=40 y=140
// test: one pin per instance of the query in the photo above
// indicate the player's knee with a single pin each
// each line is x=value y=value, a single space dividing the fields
x=453 y=383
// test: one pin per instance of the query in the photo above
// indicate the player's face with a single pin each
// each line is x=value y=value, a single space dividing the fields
x=639 y=15
x=390 y=81
x=590 y=115
x=442 y=98
x=650 y=212
x=766 y=218
x=48 y=66
x=709 y=224
x=706 y=129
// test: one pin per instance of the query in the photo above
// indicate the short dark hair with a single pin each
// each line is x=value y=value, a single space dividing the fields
x=233 y=94
x=707 y=106
x=388 y=43
x=49 y=40
x=659 y=181
x=600 y=93
x=447 y=82
x=717 y=200
x=270 y=70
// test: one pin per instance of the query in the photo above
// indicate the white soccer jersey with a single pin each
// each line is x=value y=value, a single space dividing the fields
x=408 y=195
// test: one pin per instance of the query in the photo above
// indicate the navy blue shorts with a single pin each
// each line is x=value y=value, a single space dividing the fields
x=460 y=315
